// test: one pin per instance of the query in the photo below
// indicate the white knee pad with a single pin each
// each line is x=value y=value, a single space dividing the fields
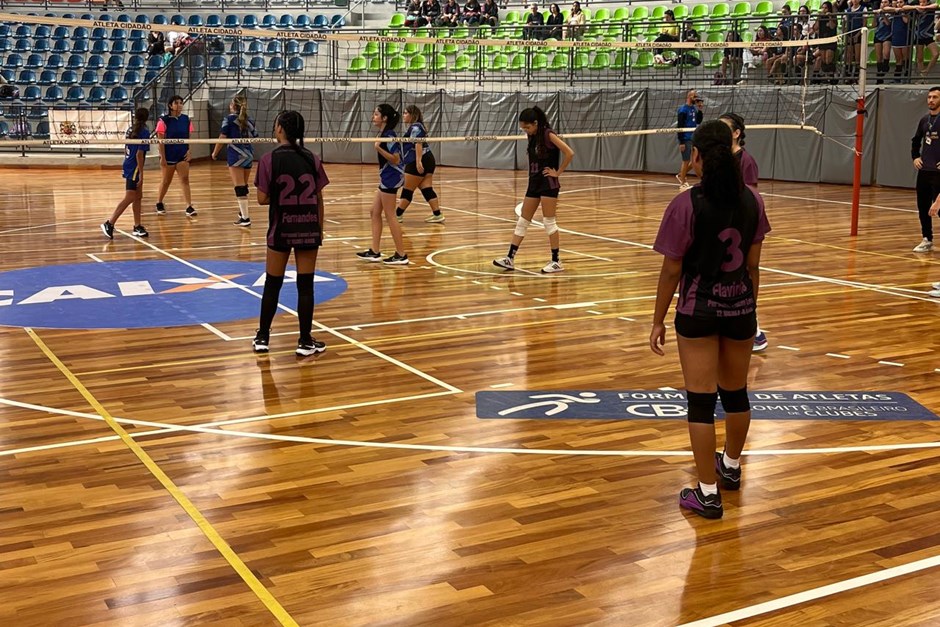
x=550 y=226
x=522 y=225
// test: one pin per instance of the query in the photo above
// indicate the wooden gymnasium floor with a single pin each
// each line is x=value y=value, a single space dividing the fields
x=392 y=527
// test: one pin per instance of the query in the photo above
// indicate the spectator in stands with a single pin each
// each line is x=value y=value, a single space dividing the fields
x=554 y=23
x=490 y=14
x=471 y=13
x=883 y=40
x=732 y=60
x=802 y=18
x=854 y=21
x=924 y=32
x=797 y=54
x=576 y=22
x=759 y=54
x=686 y=57
x=156 y=44
x=172 y=40
x=669 y=32
x=450 y=15
x=777 y=57
x=824 y=62
x=430 y=11
x=786 y=18
x=534 y=21
x=413 y=14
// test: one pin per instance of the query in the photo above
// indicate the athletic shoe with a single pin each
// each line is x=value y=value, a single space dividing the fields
x=760 y=341
x=400 y=218
x=729 y=478
x=704 y=506
x=506 y=263
x=396 y=260
x=260 y=343
x=936 y=286
x=934 y=293
x=681 y=182
x=310 y=346
x=160 y=209
x=684 y=187
x=190 y=212
x=108 y=229
x=242 y=221
x=925 y=246
x=436 y=218
x=370 y=255
x=140 y=231
x=553 y=266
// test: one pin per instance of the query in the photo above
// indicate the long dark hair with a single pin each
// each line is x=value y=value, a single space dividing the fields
x=534 y=115
x=391 y=116
x=722 y=183
x=141 y=116
x=293 y=125
x=737 y=124
x=169 y=103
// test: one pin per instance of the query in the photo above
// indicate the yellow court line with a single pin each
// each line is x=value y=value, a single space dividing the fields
x=204 y=525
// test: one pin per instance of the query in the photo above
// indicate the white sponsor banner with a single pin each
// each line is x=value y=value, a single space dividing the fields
x=86 y=125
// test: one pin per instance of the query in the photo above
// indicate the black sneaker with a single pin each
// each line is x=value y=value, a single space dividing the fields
x=309 y=347
x=396 y=260
x=140 y=231
x=242 y=221
x=190 y=212
x=704 y=506
x=370 y=255
x=260 y=343
x=108 y=229
x=728 y=478
x=160 y=209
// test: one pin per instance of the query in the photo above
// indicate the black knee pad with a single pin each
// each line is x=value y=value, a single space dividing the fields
x=735 y=401
x=702 y=407
x=407 y=194
x=241 y=191
x=305 y=283
x=429 y=193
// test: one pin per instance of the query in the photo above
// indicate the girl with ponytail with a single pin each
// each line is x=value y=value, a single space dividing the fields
x=711 y=238
x=237 y=125
x=544 y=149
x=133 y=172
x=391 y=177
x=290 y=180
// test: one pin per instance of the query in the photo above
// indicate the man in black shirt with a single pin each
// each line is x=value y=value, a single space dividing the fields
x=925 y=151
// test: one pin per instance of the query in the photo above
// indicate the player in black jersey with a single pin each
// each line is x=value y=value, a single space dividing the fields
x=925 y=151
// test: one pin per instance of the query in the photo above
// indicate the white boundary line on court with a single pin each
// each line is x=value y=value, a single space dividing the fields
x=353 y=342
x=209 y=327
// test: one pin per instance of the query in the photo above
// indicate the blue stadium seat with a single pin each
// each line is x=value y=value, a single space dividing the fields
x=198 y=75
x=27 y=77
x=155 y=63
x=136 y=62
x=197 y=62
x=4 y=30
x=79 y=33
x=42 y=45
x=276 y=64
x=303 y=21
x=118 y=34
x=109 y=79
x=150 y=76
x=86 y=16
x=138 y=46
x=53 y=94
x=321 y=21
x=68 y=16
x=256 y=64
x=236 y=63
x=95 y=62
x=196 y=20
x=295 y=65
x=14 y=61
x=46 y=78
x=23 y=32
x=231 y=21
x=116 y=62
x=80 y=46
x=100 y=47
x=236 y=47
x=337 y=21
x=106 y=17
x=268 y=21
x=292 y=48
x=97 y=95
x=4 y=129
x=76 y=93
x=178 y=20
x=250 y=21
x=8 y=75
x=99 y=34
x=119 y=47
x=160 y=19
x=286 y=21
x=54 y=62
x=31 y=93
x=214 y=21
x=89 y=78
x=217 y=63
x=42 y=32
x=274 y=47
x=131 y=78
x=310 y=48
x=37 y=112
x=42 y=130
x=6 y=45
x=137 y=35
x=68 y=78
x=118 y=95
x=123 y=17
x=142 y=19
x=256 y=47
x=61 y=46
x=34 y=61
x=61 y=32
x=23 y=46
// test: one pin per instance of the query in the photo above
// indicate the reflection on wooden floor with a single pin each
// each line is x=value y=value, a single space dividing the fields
x=391 y=526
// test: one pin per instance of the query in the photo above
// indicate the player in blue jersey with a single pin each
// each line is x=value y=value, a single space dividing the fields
x=175 y=157
x=688 y=115
x=133 y=172
x=391 y=177
x=419 y=167
x=237 y=125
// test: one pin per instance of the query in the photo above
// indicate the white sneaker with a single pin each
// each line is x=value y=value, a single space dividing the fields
x=505 y=263
x=925 y=246
x=553 y=266
x=684 y=187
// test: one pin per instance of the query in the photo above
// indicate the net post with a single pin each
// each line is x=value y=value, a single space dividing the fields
x=859 y=129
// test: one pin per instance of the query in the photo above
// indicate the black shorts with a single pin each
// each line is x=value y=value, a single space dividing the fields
x=427 y=160
x=541 y=187
x=881 y=41
x=287 y=249
x=852 y=39
x=131 y=185
x=389 y=190
x=924 y=41
x=737 y=328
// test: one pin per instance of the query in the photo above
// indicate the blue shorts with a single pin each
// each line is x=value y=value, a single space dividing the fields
x=686 y=150
x=237 y=161
x=132 y=185
x=389 y=190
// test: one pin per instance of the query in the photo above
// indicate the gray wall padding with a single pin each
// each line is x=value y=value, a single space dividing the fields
x=789 y=155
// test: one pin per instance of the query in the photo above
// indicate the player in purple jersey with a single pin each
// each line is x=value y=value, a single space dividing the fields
x=290 y=180
x=133 y=173
x=711 y=239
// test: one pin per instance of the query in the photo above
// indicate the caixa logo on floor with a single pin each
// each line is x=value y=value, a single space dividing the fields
x=142 y=294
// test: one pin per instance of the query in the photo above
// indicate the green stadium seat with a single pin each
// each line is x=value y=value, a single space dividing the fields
x=357 y=65
x=621 y=14
x=539 y=61
x=639 y=13
x=659 y=12
x=620 y=60
x=375 y=65
x=764 y=8
x=741 y=9
x=418 y=63
x=582 y=60
x=497 y=63
x=559 y=62
x=718 y=15
x=600 y=62
x=392 y=49
x=439 y=63
x=398 y=19
x=397 y=64
x=680 y=12
x=601 y=16
x=813 y=6
x=449 y=49
x=410 y=49
x=371 y=49
x=715 y=61
x=462 y=63
x=643 y=61
x=517 y=62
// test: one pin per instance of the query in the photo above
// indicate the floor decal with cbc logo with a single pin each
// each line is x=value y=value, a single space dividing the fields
x=672 y=404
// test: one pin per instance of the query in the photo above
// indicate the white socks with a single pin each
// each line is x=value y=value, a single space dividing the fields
x=708 y=489
x=730 y=463
x=242 y=207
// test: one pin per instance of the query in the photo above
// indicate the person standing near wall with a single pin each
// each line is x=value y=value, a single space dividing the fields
x=925 y=151
x=689 y=116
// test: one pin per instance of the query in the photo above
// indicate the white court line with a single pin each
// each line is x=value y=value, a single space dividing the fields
x=43 y=226
x=95 y=258
x=322 y=327
x=787 y=348
x=837 y=355
x=596 y=313
x=574 y=252
x=816 y=593
x=591 y=189
x=502 y=385
x=625 y=318
x=217 y=332
x=891 y=363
